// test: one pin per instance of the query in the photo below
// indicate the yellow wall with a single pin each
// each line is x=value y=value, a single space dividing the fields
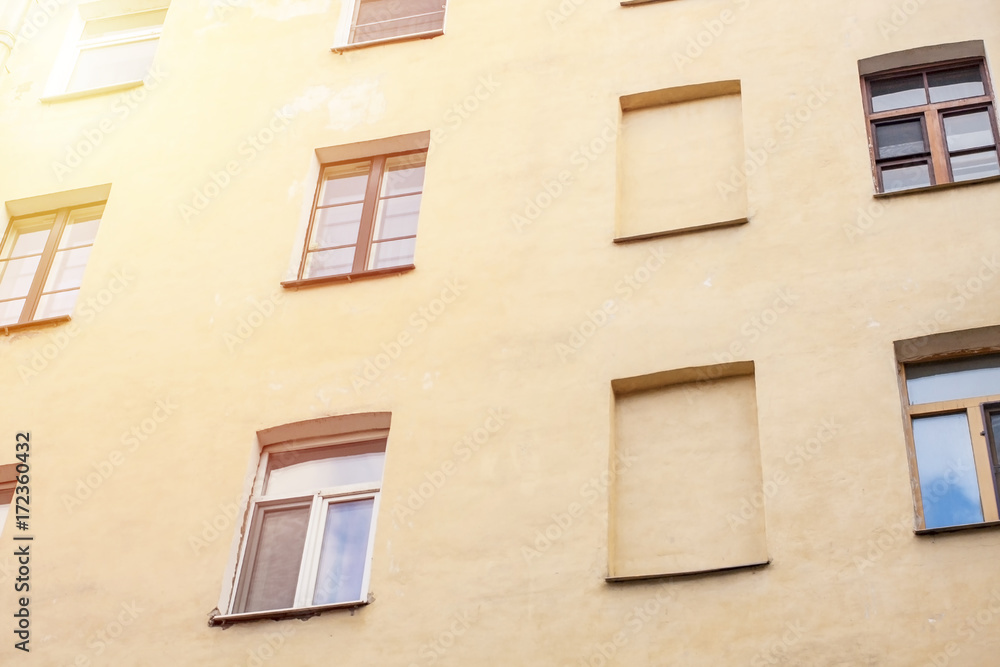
x=518 y=219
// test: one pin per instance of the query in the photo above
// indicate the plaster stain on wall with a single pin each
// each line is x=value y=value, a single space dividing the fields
x=360 y=102
x=429 y=380
x=311 y=98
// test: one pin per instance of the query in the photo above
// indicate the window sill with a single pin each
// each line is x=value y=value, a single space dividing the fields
x=630 y=3
x=956 y=529
x=104 y=90
x=279 y=614
x=388 y=40
x=34 y=324
x=347 y=278
x=939 y=186
x=682 y=230
x=692 y=573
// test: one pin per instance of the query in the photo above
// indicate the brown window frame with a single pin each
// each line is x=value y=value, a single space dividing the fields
x=931 y=116
x=8 y=483
x=47 y=256
x=378 y=152
x=352 y=38
x=993 y=443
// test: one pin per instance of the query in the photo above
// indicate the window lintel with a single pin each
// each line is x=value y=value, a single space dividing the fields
x=949 y=344
x=415 y=141
x=924 y=55
x=325 y=427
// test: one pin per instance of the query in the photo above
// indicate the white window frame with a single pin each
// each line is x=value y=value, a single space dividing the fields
x=349 y=15
x=75 y=45
x=317 y=502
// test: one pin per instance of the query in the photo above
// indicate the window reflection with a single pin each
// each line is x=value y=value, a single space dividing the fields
x=953 y=380
x=948 y=483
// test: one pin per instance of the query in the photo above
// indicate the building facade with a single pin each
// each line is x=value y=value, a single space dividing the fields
x=438 y=332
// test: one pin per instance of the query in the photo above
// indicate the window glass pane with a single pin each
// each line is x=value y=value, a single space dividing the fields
x=971 y=377
x=955 y=84
x=397 y=217
x=289 y=474
x=16 y=276
x=947 y=469
x=898 y=93
x=404 y=174
x=995 y=427
x=344 y=183
x=344 y=552
x=900 y=139
x=336 y=226
x=975 y=165
x=67 y=269
x=968 y=130
x=108 y=65
x=29 y=240
x=80 y=230
x=56 y=305
x=905 y=178
x=380 y=19
x=4 y=509
x=10 y=311
x=329 y=263
x=278 y=555
x=386 y=254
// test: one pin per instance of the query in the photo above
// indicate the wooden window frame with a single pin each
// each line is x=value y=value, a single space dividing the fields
x=931 y=116
x=47 y=256
x=369 y=431
x=984 y=451
x=993 y=445
x=377 y=152
x=8 y=483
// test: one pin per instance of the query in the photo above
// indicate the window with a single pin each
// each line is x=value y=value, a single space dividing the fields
x=953 y=408
x=365 y=210
x=109 y=51
x=312 y=518
x=42 y=260
x=932 y=124
x=381 y=20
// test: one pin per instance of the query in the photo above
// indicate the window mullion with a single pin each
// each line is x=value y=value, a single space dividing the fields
x=44 y=264
x=368 y=215
x=102 y=42
x=938 y=145
x=306 y=586
x=984 y=466
x=943 y=407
